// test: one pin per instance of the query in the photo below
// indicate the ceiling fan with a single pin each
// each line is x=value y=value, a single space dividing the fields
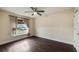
x=35 y=10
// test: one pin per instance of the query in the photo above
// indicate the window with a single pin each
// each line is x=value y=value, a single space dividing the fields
x=19 y=26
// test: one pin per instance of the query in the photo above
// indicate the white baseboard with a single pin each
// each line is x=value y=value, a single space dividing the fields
x=23 y=36
x=55 y=40
x=13 y=39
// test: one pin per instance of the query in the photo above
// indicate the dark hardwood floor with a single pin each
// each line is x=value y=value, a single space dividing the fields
x=36 y=44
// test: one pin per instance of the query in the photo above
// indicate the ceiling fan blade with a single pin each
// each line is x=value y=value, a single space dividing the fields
x=39 y=13
x=32 y=14
x=34 y=9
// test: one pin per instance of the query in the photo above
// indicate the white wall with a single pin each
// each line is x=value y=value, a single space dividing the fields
x=4 y=27
x=57 y=26
x=5 y=31
x=76 y=29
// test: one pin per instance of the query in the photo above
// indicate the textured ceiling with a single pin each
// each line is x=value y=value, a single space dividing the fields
x=21 y=10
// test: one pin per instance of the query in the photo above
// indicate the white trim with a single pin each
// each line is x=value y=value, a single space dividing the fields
x=55 y=40
x=13 y=39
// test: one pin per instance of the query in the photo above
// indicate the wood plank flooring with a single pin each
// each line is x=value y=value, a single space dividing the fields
x=36 y=44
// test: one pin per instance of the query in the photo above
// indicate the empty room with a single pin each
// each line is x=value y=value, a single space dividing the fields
x=39 y=29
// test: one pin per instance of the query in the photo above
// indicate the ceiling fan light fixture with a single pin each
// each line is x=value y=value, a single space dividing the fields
x=35 y=13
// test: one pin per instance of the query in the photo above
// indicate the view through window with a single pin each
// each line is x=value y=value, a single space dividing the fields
x=19 y=26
